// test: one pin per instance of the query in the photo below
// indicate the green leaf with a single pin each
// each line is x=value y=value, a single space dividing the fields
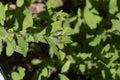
x=18 y=75
x=63 y=77
x=113 y=8
x=88 y=4
x=53 y=49
x=67 y=30
x=95 y=41
x=39 y=37
x=118 y=15
x=84 y=55
x=113 y=72
x=28 y=22
x=62 y=55
x=36 y=61
x=115 y=24
x=19 y=3
x=106 y=48
x=66 y=66
x=103 y=74
x=118 y=71
x=15 y=76
x=10 y=47
x=43 y=75
x=1 y=47
x=2 y=14
x=21 y=72
x=78 y=25
x=82 y=67
x=70 y=58
x=88 y=15
x=56 y=26
x=22 y=46
x=66 y=39
x=52 y=4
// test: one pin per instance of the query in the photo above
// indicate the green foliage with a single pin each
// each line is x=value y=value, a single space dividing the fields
x=18 y=75
x=81 y=41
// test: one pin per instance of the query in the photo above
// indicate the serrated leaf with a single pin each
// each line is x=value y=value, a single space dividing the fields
x=28 y=21
x=2 y=14
x=113 y=8
x=10 y=47
x=63 y=77
x=19 y=3
x=66 y=66
x=22 y=47
x=88 y=15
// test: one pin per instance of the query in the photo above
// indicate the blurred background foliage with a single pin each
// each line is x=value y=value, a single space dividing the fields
x=60 y=39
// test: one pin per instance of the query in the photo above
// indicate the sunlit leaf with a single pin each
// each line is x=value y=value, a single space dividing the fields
x=21 y=72
x=63 y=77
x=28 y=21
x=67 y=30
x=88 y=4
x=36 y=61
x=1 y=47
x=116 y=24
x=66 y=67
x=106 y=48
x=2 y=14
x=15 y=76
x=43 y=75
x=82 y=67
x=66 y=39
x=52 y=49
x=18 y=75
x=10 y=47
x=62 y=55
x=70 y=58
x=19 y=3
x=113 y=6
x=95 y=41
x=22 y=47
x=118 y=71
x=56 y=26
x=88 y=15
x=52 y=4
